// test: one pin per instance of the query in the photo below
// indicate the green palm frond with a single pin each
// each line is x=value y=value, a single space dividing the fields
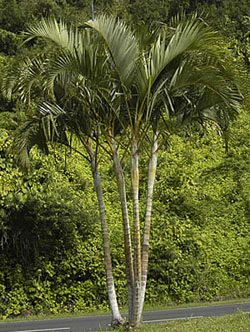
x=76 y=54
x=188 y=36
x=52 y=120
x=59 y=69
x=29 y=134
x=121 y=44
x=23 y=76
x=82 y=66
x=62 y=34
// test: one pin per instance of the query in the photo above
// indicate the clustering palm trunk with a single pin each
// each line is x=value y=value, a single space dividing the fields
x=142 y=254
x=136 y=257
x=126 y=227
x=137 y=236
x=116 y=316
x=147 y=222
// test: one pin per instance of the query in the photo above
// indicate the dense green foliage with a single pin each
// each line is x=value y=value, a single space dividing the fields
x=50 y=236
x=50 y=243
x=204 y=210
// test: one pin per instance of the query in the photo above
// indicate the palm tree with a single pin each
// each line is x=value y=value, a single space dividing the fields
x=124 y=87
x=69 y=88
x=180 y=74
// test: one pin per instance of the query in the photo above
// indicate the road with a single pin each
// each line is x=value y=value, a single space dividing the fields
x=102 y=322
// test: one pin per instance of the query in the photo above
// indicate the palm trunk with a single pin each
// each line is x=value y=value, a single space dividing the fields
x=147 y=224
x=136 y=319
x=116 y=316
x=126 y=227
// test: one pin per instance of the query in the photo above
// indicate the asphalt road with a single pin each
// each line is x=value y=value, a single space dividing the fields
x=102 y=322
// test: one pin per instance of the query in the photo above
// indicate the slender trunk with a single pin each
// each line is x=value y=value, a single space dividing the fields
x=126 y=227
x=136 y=321
x=116 y=316
x=146 y=234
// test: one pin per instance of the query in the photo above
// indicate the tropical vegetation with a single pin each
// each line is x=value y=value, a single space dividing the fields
x=101 y=97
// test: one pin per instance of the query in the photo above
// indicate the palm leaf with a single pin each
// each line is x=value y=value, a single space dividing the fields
x=121 y=44
x=23 y=76
x=29 y=134
x=62 y=34
x=188 y=36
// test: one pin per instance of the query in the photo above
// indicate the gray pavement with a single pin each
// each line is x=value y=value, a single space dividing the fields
x=95 y=323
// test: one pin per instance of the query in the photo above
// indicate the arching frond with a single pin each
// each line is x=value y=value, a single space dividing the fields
x=22 y=77
x=62 y=34
x=27 y=135
x=188 y=36
x=121 y=44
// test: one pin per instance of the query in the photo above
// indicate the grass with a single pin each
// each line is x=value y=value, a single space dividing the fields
x=232 y=323
x=147 y=307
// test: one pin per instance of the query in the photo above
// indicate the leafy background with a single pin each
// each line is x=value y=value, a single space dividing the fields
x=50 y=237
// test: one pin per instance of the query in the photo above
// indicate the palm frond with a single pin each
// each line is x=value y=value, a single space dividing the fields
x=121 y=44
x=22 y=77
x=188 y=36
x=29 y=134
x=64 y=35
